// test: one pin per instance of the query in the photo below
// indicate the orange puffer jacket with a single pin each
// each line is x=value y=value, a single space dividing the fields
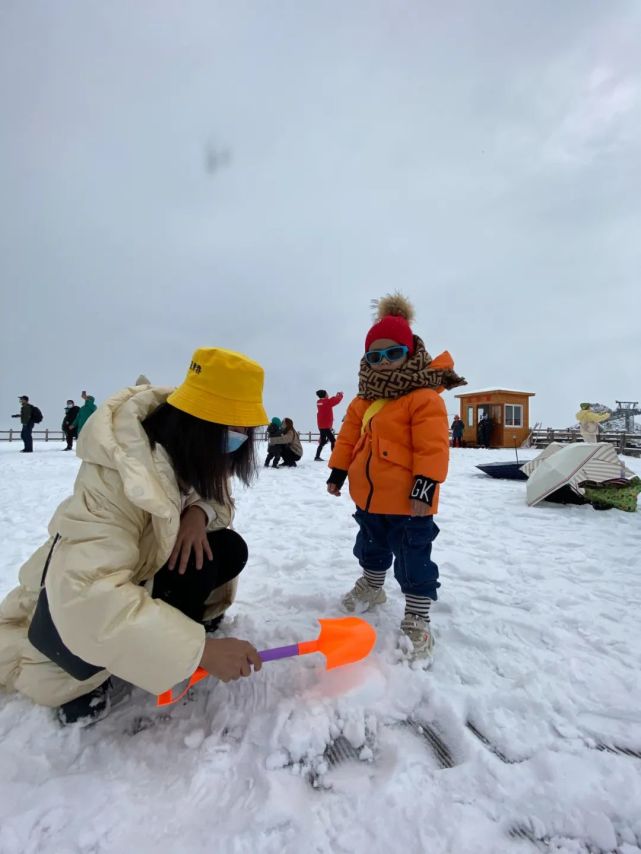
x=407 y=437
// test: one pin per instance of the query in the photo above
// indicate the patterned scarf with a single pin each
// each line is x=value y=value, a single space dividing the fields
x=414 y=373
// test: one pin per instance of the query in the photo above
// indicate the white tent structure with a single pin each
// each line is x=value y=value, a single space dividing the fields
x=559 y=465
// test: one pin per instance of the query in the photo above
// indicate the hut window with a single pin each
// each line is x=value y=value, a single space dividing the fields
x=470 y=416
x=513 y=415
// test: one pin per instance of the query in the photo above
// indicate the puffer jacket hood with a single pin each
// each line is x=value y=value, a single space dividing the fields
x=115 y=439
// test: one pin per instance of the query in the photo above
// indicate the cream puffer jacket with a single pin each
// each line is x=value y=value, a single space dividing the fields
x=116 y=530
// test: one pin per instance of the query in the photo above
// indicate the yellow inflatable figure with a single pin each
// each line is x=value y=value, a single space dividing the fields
x=589 y=422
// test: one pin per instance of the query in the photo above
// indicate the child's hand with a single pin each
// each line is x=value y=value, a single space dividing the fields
x=333 y=489
x=418 y=508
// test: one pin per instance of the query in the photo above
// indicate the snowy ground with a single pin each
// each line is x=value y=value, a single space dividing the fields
x=534 y=693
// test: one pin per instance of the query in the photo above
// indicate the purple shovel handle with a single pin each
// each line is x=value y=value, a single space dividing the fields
x=279 y=652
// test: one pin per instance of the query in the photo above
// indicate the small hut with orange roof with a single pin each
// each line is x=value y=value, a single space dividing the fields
x=509 y=412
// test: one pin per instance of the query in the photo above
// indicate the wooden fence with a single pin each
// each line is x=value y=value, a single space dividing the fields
x=37 y=435
x=58 y=436
x=625 y=443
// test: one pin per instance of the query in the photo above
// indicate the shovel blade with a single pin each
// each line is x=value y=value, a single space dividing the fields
x=345 y=640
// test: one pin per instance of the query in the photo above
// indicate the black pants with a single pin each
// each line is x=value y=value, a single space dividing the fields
x=326 y=435
x=289 y=457
x=70 y=435
x=190 y=591
x=273 y=453
x=25 y=435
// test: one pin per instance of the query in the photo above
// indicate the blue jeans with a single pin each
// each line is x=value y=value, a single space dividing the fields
x=25 y=435
x=406 y=540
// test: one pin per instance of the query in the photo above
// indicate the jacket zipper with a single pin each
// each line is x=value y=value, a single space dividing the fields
x=369 y=480
x=371 y=485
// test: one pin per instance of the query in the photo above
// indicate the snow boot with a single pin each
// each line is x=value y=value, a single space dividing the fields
x=88 y=709
x=418 y=631
x=362 y=597
x=212 y=625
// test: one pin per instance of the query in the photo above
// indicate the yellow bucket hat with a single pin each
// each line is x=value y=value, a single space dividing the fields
x=224 y=387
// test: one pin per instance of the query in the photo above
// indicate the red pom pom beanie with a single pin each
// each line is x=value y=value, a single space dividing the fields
x=394 y=327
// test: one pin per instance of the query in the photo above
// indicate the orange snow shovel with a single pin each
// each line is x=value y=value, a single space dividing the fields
x=342 y=641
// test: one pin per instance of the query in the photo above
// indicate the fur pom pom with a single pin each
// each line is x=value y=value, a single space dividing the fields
x=394 y=304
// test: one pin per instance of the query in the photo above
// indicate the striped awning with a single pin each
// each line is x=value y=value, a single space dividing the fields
x=559 y=465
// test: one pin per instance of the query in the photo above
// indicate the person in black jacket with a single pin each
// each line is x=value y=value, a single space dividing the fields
x=71 y=411
x=484 y=431
x=26 y=419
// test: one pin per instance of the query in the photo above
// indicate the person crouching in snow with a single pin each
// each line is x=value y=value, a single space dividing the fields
x=289 y=444
x=141 y=561
x=394 y=448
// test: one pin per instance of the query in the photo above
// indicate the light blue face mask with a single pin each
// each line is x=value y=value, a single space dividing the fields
x=234 y=441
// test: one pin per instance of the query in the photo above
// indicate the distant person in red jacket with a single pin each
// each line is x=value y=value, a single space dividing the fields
x=325 y=419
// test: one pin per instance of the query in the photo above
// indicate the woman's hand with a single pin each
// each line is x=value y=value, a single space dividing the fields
x=333 y=489
x=418 y=508
x=192 y=534
x=228 y=658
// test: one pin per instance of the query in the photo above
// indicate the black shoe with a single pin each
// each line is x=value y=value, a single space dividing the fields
x=88 y=709
x=319 y=460
x=212 y=625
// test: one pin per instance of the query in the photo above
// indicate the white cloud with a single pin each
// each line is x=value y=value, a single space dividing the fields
x=602 y=117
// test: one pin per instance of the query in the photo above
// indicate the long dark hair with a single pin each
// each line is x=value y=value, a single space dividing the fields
x=197 y=451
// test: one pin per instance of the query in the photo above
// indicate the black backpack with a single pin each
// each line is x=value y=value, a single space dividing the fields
x=36 y=415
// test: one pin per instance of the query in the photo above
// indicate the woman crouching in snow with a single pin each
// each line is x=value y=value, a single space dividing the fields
x=141 y=560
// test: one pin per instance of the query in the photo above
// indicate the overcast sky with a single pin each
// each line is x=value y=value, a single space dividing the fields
x=252 y=174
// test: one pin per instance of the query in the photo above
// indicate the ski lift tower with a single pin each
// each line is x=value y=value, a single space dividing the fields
x=628 y=409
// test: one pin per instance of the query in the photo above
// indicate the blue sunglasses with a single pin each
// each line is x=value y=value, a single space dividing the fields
x=392 y=354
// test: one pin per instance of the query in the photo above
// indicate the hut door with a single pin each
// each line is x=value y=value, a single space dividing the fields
x=496 y=414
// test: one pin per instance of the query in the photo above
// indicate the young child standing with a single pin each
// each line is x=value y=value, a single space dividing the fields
x=394 y=448
x=274 y=429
